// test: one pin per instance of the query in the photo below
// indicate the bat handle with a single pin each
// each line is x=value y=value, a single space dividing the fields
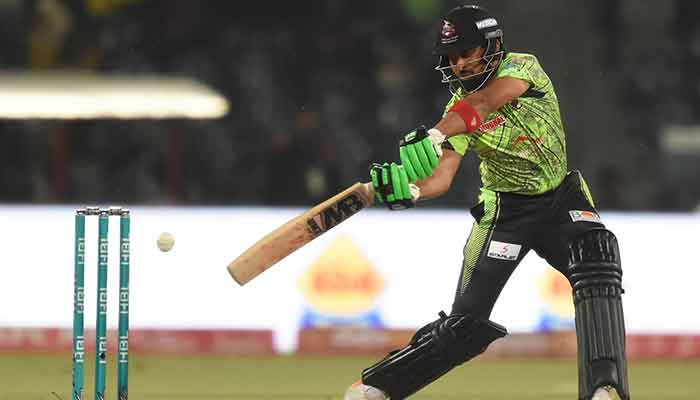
x=368 y=193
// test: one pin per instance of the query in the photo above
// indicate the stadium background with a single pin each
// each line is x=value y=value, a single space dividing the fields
x=315 y=91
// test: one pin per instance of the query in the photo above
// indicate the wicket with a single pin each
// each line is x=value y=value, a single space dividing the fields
x=103 y=215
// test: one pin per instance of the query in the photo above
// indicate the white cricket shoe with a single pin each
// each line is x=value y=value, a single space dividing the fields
x=602 y=393
x=360 y=391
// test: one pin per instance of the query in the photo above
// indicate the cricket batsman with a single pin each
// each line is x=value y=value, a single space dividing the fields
x=505 y=109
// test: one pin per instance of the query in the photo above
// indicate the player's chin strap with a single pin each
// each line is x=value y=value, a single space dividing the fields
x=596 y=277
x=433 y=351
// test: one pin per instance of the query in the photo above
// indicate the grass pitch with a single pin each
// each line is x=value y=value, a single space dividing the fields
x=314 y=378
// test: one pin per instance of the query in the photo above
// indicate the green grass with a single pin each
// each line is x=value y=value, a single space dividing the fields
x=193 y=378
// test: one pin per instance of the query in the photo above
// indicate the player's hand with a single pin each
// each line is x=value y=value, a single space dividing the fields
x=420 y=151
x=391 y=186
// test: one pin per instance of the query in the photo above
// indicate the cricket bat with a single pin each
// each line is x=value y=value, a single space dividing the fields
x=299 y=231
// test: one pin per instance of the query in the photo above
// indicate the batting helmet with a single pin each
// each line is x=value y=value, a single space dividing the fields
x=462 y=29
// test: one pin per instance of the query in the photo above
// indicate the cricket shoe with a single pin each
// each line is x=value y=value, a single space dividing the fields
x=360 y=391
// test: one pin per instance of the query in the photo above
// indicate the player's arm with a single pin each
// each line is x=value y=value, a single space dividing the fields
x=421 y=149
x=466 y=115
x=440 y=181
x=392 y=187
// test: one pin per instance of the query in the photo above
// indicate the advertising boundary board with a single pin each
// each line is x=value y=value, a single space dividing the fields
x=325 y=282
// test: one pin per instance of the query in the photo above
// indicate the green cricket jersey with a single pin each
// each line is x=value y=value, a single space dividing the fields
x=521 y=146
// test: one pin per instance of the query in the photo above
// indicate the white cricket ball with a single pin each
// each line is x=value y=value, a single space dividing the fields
x=166 y=241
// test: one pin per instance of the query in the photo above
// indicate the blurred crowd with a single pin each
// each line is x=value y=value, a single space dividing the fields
x=319 y=89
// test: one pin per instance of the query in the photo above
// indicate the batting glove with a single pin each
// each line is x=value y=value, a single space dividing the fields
x=420 y=151
x=391 y=186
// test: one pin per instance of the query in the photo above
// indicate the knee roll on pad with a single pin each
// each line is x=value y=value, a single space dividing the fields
x=434 y=349
x=596 y=277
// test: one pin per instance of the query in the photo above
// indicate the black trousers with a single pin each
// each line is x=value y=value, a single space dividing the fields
x=507 y=226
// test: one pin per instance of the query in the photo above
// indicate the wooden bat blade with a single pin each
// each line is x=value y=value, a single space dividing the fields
x=299 y=231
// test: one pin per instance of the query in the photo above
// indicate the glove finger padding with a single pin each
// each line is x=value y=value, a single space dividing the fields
x=407 y=164
x=403 y=183
x=418 y=154
x=391 y=186
x=412 y=159
x=387 y=190
x=431 y=153
x=422 y=149
x=395 y=183
x=383 y=191
x=374 y=173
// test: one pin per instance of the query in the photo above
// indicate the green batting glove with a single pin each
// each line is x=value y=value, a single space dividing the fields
x=420 y=152
x=391 y=186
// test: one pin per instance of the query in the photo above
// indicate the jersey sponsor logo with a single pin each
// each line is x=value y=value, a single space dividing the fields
x=585 y=216
x=503 y=250
x=492 y=124
x=486 y=23
x=448 y=34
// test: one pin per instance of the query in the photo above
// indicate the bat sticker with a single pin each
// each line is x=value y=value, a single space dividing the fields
x=333 y=215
